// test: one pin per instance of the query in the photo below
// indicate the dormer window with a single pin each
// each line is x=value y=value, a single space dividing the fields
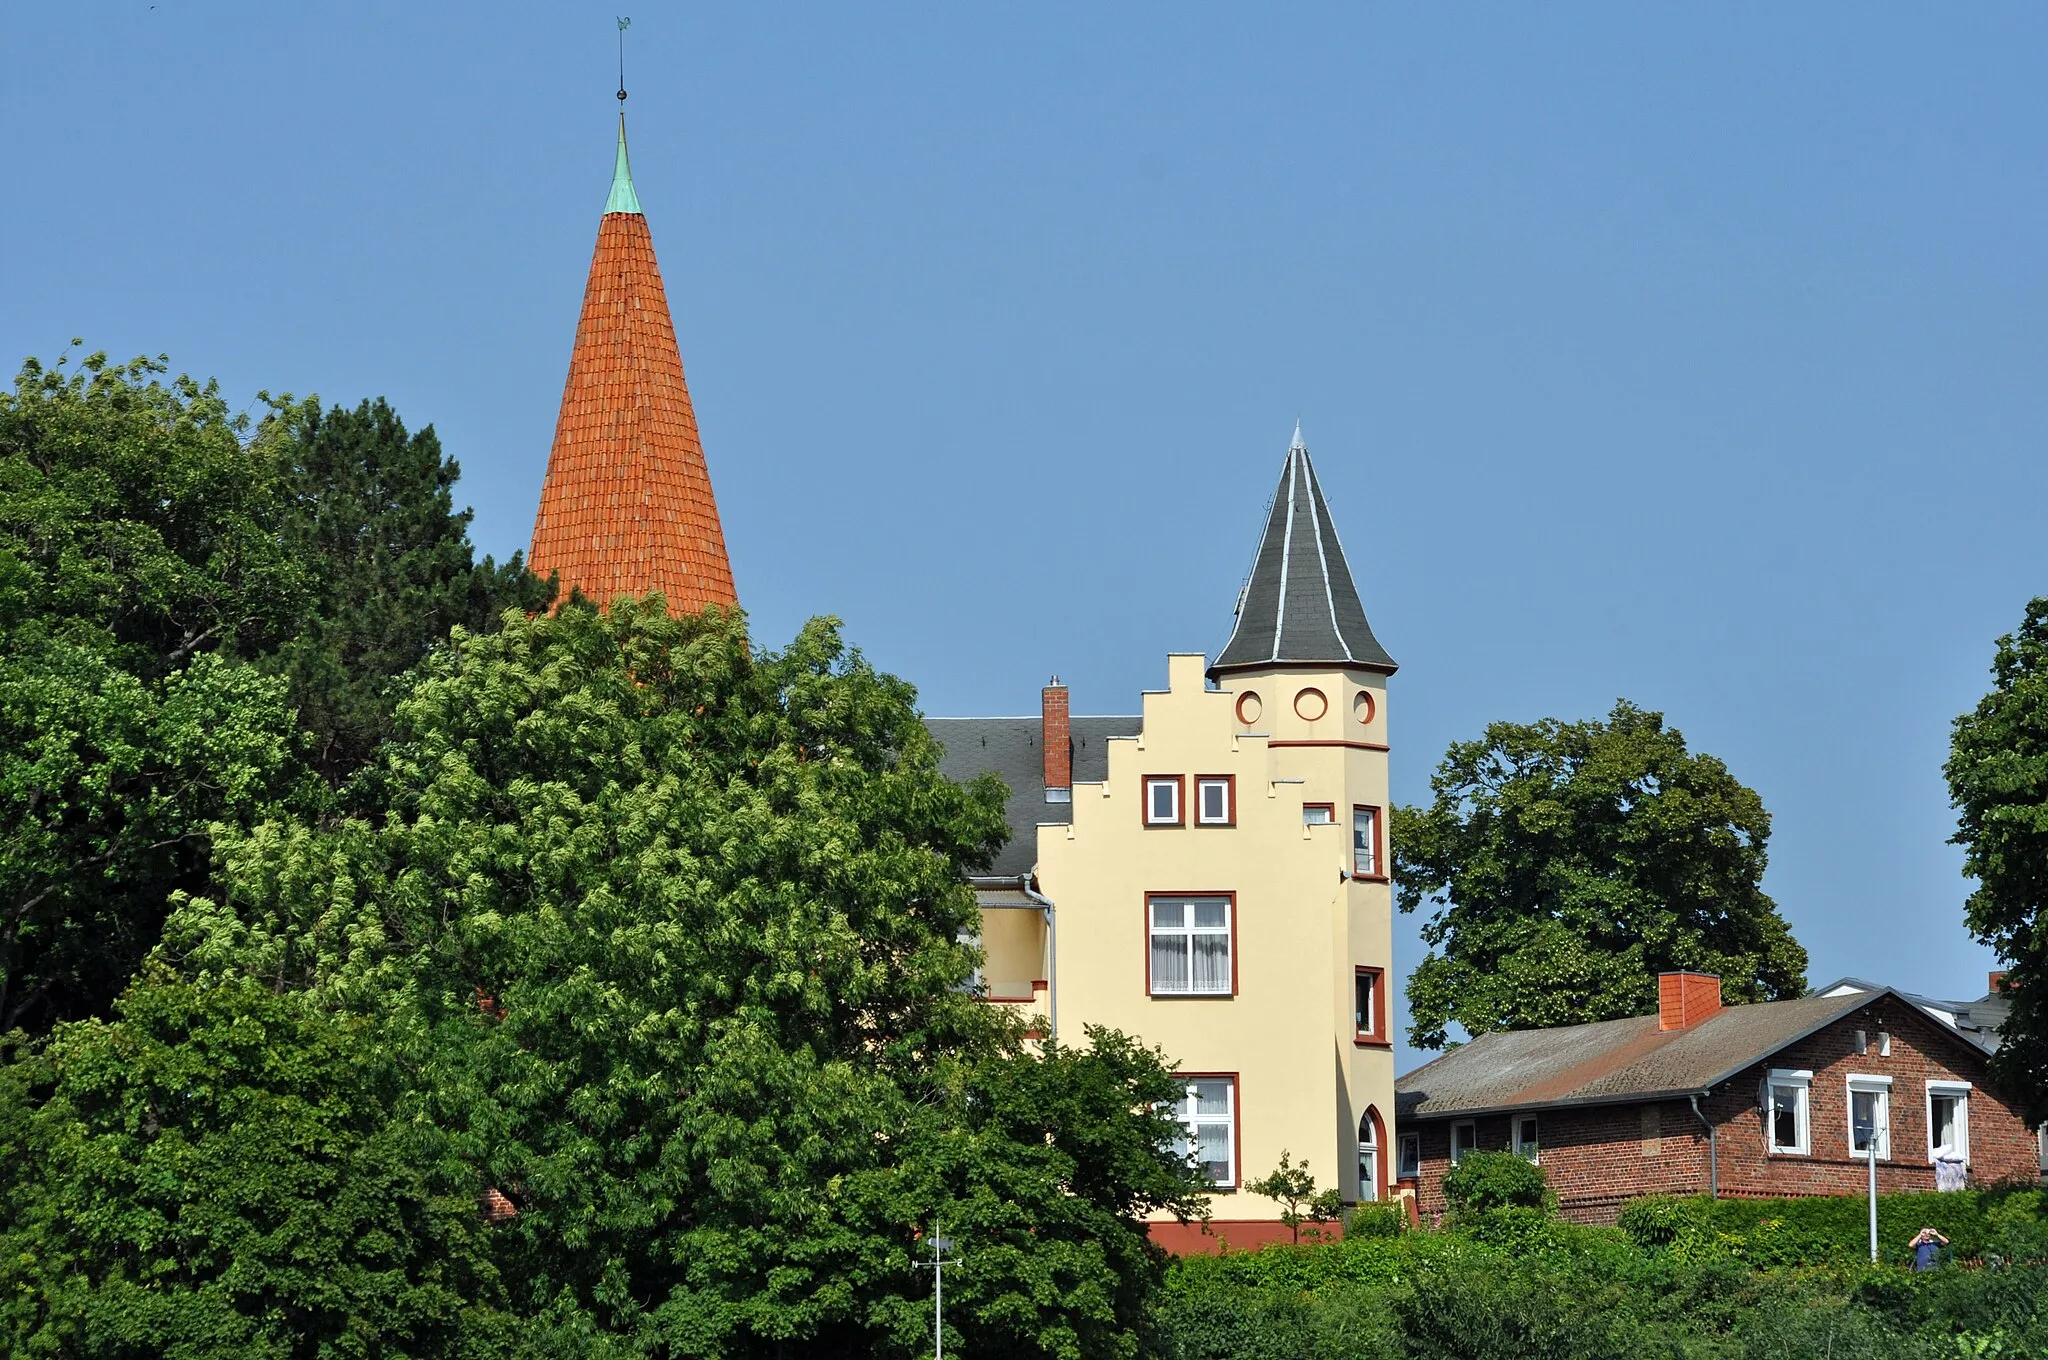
x=1162 y=800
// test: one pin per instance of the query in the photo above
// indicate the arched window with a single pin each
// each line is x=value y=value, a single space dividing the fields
x=1369 y=1157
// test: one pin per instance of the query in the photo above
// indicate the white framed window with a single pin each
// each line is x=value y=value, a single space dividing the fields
x=1408 y=1161
x=1318 y=814
x=1162 y=800
x=1525 y=1135
x=1215 y=800
x=1948 y=1120
x=1787 y=1111
x=1207 y=1111
x=1365 y=842
x=1464 y=1139
x=1368 y=1160
x=1870 y=1116
x=1190 y=939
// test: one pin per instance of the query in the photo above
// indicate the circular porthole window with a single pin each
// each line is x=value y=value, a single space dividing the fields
x=1363 y=708
x=1249 y=708
x=1310 y=705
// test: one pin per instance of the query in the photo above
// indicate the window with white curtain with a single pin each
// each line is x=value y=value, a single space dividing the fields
x=1207 y=1111
x=1948 y=1120
x=1190 y=939
x=1368 y=1160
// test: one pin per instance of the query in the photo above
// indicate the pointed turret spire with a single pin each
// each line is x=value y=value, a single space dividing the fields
x=1299 y=606
x=627 y=505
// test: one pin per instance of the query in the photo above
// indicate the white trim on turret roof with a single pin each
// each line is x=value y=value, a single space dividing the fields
x=1286 y=553
x=1316 y=523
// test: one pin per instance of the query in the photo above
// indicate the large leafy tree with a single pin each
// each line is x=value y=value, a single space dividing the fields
x=371 y=509
x=675 y=934
x=182 y=596
x=138 y=543
x=1566 y=864
x=221 y=1172
x=1998 y=779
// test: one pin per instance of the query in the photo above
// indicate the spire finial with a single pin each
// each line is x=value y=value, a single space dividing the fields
x=623 y=199
x=624 y=24
x=1297 y=445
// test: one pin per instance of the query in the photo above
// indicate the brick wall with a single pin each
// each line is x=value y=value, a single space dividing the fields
x=1599 y=1157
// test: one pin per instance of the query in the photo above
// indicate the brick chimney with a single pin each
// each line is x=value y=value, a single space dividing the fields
x=1057 y=739
x=1685 y=999
x=1997 y=981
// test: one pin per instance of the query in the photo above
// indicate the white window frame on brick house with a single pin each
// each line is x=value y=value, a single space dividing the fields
x=1525 y=1136
x=1216 y=1123
x=1958 y=1091
x=1879 y=1089
x=1471 y=1128
x=1408 y=1158
x=1785 y=1078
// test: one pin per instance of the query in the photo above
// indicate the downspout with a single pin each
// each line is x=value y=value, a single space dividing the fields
x=1713 y=1149
x=1052 y=956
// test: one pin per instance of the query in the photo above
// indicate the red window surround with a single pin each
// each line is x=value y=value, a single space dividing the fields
x=1379 y=843
x=1180 y=800
x=1373 y=1034
x=1145 y=934
x=1229 y=782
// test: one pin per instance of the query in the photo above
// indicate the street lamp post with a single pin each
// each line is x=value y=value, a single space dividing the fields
x=937 y=1266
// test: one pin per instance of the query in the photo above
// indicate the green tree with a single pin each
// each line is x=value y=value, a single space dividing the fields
x=1998 y=780
x=1569 y=863
x=138 y=544
x=1293 y=1188
x=220 y=1172
x=372 y=506
x=676 y=936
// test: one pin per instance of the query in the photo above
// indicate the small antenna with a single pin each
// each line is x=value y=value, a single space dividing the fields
x=624 y=24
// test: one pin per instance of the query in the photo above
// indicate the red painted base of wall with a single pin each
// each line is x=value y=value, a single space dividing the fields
x=1233 y=1234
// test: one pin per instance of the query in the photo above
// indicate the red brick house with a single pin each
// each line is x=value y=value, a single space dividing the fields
x=1775 y=1099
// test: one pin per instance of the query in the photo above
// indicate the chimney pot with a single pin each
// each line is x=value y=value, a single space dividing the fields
x=1684 y=999
x=1056 y=739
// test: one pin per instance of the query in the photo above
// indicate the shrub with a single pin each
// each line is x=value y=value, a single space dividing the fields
x=1484 y=1181
x=1386 y=1219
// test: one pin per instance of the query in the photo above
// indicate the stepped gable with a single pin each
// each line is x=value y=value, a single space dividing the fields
x=1299 y=606
x=627 y=506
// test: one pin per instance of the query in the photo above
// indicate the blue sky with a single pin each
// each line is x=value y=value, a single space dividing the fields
x=1691 y=354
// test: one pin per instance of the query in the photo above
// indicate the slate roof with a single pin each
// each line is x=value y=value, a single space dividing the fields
x=627 y=504
x=1012 y=749
x=1613 y=1061
x=1299 y=604
x=1978 y=1021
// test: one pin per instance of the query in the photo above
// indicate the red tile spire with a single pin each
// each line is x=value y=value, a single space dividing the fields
x=627 y=505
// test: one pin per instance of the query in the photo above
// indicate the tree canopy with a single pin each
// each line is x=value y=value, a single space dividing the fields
x=675 y=937
x=1998 y=779
x=1566 y=864
x=194 y=615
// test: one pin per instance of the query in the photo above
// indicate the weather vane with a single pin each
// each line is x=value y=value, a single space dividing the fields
x=624 y=24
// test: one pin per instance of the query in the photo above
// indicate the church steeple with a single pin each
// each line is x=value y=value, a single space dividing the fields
x=627 y=506
x=1299 y=606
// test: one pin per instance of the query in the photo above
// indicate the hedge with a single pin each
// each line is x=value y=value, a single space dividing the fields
x=1835 y=1230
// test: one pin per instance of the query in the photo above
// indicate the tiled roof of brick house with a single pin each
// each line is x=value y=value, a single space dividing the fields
x=627 y=505
x=1615 y=1061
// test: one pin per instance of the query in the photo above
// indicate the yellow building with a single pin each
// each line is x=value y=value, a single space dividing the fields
x=1210 y=874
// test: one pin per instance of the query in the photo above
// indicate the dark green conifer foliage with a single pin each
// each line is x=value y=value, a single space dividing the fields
x=372 y=508
x=1998 y=780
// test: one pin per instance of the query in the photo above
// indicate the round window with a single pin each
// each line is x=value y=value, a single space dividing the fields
x=1362 y=707
x=1310 y=705
x=1249 y=708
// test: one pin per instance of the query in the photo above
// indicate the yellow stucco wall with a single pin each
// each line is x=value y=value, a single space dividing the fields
x=1301 y=926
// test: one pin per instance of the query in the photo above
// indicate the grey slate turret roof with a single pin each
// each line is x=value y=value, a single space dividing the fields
x=1299 y=605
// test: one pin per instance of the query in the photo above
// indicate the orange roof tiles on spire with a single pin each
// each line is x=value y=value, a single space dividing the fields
x=627 y=505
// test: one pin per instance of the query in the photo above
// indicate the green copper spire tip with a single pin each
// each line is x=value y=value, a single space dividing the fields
x=623 y=199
